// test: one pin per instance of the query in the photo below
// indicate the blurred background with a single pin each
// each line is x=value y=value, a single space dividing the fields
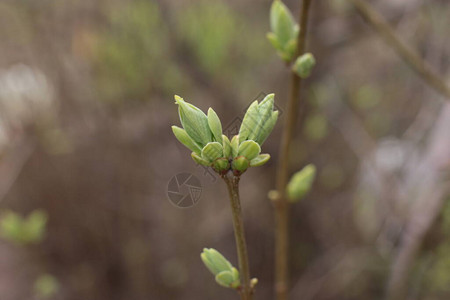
x=87 y=152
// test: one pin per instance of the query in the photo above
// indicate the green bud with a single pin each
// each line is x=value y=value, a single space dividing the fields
x=265 y=110
x=282 y=22
x=301 y=183
x=259 y=160
x=212 y=151
x=214 y=261
x=185 y=139
x=229 y=279
x=215 y=125
x=234 y=145
x=239 y=165
x=304 y=64
x=284 y=30
x=194 y=121
x=221 y=165
x=200 y=160
x=259 y=121
x=226 y=146
x=249 y=149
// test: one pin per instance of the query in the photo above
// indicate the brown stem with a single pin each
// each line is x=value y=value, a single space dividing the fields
x=281 y=204
x=239 y=234
x=410 y=57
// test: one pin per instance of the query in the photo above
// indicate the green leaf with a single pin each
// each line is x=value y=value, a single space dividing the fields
x=226 y=146
x=228 y=279
x=225 y=278
x=249 y=122
x=194 y=121
x=284 y=31
x=301 y=183
x=209 y=264
x=185 y=139
x=267 y=128
x=265 y=111
x=249 y=149
x=235 y=145
x=258 y=121
x=200 y=160
x=259 y=160
x=212 y=151
x=215 y=125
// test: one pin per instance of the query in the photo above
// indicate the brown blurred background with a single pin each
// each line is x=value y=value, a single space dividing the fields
x=86 y=105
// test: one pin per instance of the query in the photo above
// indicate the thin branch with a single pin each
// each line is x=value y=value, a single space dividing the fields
x=281 y=204
x=239 y=234
x=409 y=56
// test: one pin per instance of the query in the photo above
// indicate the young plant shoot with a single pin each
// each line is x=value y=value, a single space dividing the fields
x=202 y=134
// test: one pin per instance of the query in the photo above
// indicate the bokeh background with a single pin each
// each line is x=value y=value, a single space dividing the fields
x=86 y=105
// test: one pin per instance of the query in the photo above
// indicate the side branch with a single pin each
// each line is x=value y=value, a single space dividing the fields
x=409 y=56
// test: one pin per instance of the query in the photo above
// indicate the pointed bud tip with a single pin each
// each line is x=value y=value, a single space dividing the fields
x=178 y=99
x=269 y=97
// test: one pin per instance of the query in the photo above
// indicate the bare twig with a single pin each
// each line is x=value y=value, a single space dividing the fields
x=409 y=56
x=281 y=204
x=239 y=234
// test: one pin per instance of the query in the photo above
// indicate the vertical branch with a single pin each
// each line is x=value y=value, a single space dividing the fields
x=239 y=234
x=281 y=204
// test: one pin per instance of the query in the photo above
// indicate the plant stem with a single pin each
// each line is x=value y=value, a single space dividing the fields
x=239 y=234
x=281 y=204
x=410 y=57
